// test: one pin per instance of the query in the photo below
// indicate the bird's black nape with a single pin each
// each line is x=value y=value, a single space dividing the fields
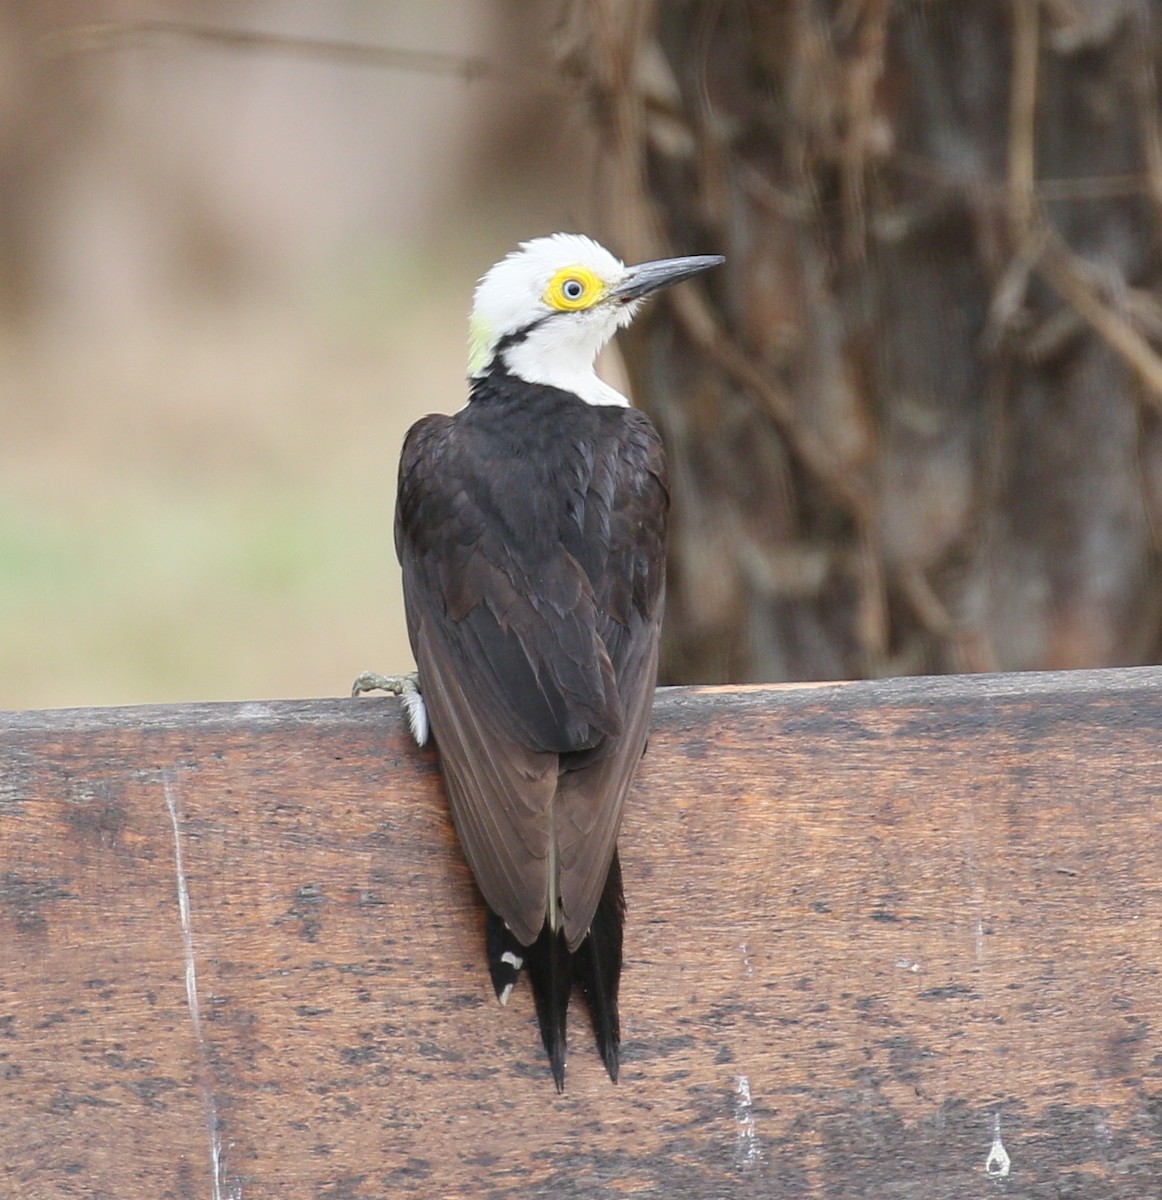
x=595 y=965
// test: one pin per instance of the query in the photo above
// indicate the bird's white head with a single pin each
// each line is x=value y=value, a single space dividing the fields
x=547 y=309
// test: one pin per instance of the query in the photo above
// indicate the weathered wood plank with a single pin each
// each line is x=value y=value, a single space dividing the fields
x=866 y=923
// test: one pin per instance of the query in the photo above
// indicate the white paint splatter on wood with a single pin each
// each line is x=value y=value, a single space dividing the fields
x=998 y=1163
x=749 y=1151
x=747 y=968
x=173 y=803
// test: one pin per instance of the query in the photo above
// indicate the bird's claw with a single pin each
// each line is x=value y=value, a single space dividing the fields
x=407 y=688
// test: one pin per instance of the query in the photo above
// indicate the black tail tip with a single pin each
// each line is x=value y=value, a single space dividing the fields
x=598 y=962
x=611 y=1064
x=553 y=969
x=557 y=1062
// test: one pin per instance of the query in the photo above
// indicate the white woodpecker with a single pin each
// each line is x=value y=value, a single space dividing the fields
x=531 y=529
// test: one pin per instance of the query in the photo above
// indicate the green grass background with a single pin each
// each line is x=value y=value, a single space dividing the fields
x=201 y=507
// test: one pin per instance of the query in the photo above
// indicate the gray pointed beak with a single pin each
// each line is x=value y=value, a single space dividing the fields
x=648 y=277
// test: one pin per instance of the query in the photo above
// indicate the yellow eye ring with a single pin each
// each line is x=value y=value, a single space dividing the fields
x=573 y=289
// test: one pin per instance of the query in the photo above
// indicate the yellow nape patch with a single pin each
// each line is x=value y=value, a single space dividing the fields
x=574 y=288
x=479 y=344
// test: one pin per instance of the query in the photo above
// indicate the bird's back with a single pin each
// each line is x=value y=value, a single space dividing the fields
x=530 y=527
x=529 y=518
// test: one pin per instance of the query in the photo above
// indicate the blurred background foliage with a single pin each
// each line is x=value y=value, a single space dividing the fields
x=913 y=425
x=232 y=273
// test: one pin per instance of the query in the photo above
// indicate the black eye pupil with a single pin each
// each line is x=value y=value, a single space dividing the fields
x=573 y=289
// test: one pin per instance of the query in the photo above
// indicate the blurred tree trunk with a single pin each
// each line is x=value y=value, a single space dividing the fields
x=44 y=118
x=914 y=424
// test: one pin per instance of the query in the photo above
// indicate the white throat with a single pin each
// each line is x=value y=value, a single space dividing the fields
x=544 y=356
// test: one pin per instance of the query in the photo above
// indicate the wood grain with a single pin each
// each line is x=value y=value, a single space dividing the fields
x=240 y=955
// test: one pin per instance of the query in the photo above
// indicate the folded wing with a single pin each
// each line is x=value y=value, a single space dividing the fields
x=537 y=656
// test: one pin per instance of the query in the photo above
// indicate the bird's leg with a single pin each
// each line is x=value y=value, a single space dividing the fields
x=407 y=688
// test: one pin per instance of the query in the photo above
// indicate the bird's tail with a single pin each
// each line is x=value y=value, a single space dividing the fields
x=598 y=966
x=551 y=974
x=552 y=968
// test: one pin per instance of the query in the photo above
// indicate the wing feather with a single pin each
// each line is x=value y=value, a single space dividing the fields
x=537 y=658
x=590 y=802
x=592 y=791
x=500 y=794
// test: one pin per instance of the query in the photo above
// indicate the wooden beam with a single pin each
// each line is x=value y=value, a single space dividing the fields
x=885 y=939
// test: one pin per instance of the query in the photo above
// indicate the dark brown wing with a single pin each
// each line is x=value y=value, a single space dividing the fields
x=533 y=593
x=500 y=788
x=500 y=792
x=631 y=595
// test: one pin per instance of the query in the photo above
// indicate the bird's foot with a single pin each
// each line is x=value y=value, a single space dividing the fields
x=372 y=681
x=407 y=688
